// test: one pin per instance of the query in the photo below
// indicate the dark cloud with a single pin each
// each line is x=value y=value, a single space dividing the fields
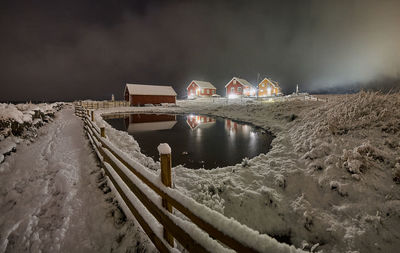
x=65 y=50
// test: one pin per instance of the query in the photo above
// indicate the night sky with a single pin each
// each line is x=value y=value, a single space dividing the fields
x=67 y=50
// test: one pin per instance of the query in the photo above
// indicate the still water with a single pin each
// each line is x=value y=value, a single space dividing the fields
x=197 y=141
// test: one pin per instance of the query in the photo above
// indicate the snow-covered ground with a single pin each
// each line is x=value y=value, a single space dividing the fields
x=330 y=182
x=50 y=199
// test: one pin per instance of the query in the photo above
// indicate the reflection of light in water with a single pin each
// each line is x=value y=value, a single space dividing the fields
x=246 y=129
x=252 y=134
x=232 y=133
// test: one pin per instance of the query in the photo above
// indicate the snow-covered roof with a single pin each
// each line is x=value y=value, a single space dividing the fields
x=203 y=84
x=243 y=82
x=274 y=83
x=150 y=126
x=144 y=89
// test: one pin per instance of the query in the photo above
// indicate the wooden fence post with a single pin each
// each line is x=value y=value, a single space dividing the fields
x=166 y=178
x=103 y=131
x=92 y=116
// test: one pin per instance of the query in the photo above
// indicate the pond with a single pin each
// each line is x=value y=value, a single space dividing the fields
x=197 y=141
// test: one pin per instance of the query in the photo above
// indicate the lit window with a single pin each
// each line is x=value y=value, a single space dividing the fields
x=262 y=85
x=239 y=89
x=232 y=89
x=234 y=81
x=261 y=90
x=207 y=92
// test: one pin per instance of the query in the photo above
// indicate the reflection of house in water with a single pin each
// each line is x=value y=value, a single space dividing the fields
x=149 y=122
x=195 y=121
x=232 y=126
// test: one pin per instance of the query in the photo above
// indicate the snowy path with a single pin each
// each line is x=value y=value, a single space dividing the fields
x=49 y=199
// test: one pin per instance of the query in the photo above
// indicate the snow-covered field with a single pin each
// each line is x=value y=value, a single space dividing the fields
x=330 y=182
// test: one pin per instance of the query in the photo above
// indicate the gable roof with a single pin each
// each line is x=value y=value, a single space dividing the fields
x=143 y=89
x=243 y=82
x=274 y=83
x=203 y=84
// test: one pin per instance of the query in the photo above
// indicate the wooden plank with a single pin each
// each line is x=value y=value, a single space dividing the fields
x=158 y=243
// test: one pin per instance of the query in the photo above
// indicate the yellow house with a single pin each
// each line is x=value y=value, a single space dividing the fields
x=267 y=87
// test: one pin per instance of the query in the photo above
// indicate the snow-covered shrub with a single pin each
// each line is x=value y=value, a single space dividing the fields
x=361 y=158
x=15 y=119
x=361 y=110
x=321 y=150
x=280 y=181
x=336 y=186
x=209 y=195
x=245 y=162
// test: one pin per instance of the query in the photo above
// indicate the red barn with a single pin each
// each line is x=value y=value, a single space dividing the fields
x=200 y=89
x=140 y=94
x=238 y=87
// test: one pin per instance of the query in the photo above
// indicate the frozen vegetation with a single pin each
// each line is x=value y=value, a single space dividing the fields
x=330 y=183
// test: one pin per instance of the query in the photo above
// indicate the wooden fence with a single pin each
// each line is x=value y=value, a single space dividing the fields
x=122 y=171
x=101 y=104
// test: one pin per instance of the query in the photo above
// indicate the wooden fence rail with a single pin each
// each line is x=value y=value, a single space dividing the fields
x=101 y=104
x=122 y=170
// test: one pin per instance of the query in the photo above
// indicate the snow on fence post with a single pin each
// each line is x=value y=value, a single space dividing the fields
x=166 y=178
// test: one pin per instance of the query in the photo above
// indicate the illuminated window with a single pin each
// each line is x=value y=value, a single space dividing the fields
x=234 y=81
x=239 y=89
x=232 y=89
x=262 y=85
x=207 y=91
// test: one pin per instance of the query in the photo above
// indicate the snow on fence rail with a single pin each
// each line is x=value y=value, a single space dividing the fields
x=101 y=104
x=151 y=199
